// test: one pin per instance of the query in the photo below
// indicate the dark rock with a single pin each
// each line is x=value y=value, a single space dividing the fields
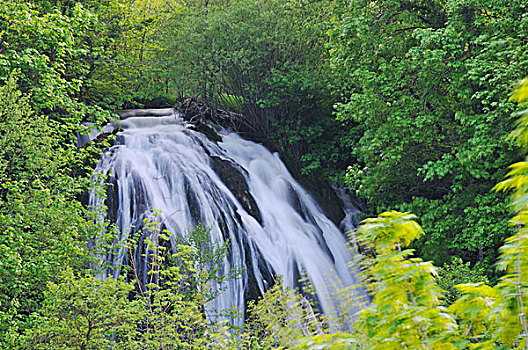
x=112 y=199
x=329 y=201
x=194 y=207
x=252 y=291
x=207 y=131
x=233 y=178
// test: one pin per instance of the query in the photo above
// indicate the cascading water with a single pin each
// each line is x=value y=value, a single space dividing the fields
x=272 y=224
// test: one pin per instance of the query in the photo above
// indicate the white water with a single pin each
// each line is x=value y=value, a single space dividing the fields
x=159 y=163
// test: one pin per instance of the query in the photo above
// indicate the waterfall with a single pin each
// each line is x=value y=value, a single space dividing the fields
x=274 y=227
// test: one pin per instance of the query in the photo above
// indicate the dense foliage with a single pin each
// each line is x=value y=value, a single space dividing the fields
x=429 y=81
x=409 y=98
x=43 y=227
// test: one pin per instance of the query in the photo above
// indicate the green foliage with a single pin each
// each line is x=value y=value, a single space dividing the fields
x=192 y=255
x=42 y=223
x=282 y=317
x=86 y=313
x=455 y=273
x=267 y=60
x=130 y=65
x=52 y=51
x=79 y=61
x=466 y=225
x=165 y=312
x=43 y=227
x=208 y=262
x=428 y=82
x=406 y=306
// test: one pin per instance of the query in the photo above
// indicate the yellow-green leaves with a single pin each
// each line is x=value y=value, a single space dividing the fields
x=333 y=341
x=473 y=311
x=389 y=231
x=517 y=181
x=520 y=95
x=506 y=304
x=405 y=311
x=283 y=317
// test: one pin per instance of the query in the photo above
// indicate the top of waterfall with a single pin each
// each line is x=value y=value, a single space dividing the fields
x=151 y=112
x=91 y=132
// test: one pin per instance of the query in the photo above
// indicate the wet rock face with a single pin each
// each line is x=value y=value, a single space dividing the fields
x=232 y=177
x=253 y=292
x=330 y=203
x=207 y=131
x=112 y=199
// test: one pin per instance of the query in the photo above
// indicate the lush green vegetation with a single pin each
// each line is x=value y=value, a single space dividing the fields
x=405 y=102
x=429 y=81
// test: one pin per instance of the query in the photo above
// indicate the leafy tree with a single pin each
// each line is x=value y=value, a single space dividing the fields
x=79 y=61
x=455 y=273
x=49 y=49
x=86 y=313
x=427 y=81
x=129 y=65
x=42 y=224
x=266 y=60
x=405 y=310
x=165 y=311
